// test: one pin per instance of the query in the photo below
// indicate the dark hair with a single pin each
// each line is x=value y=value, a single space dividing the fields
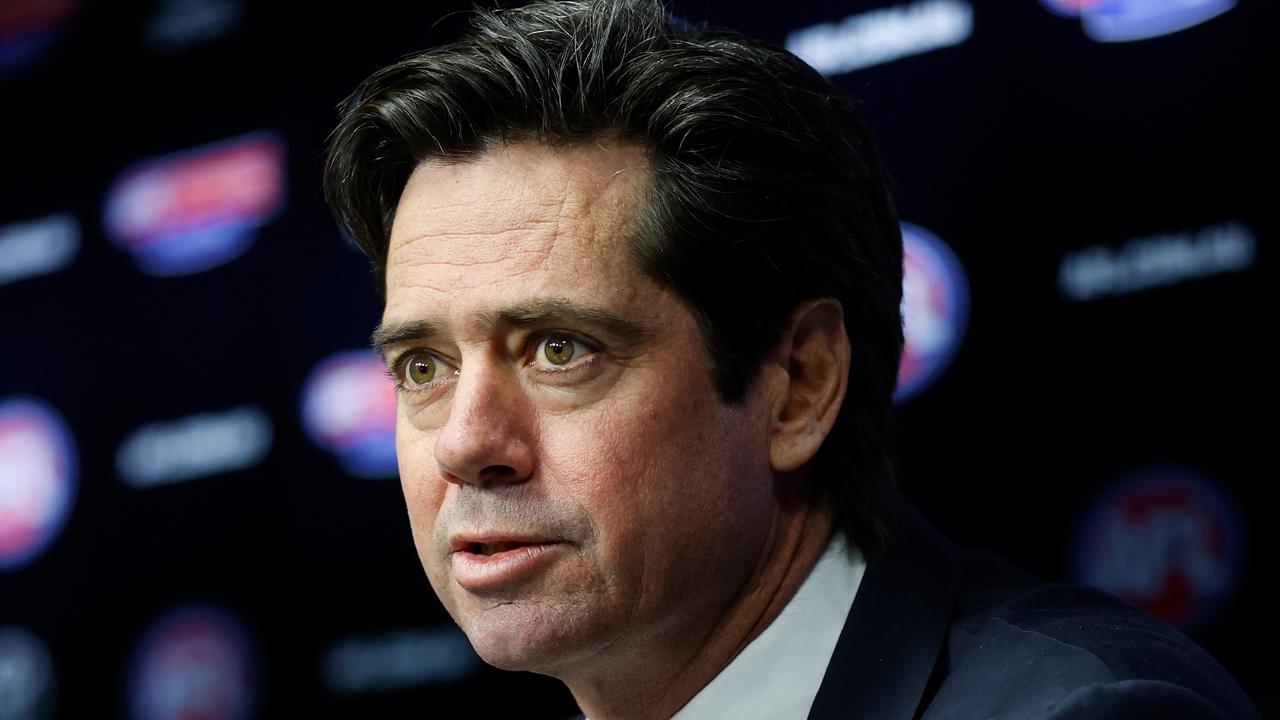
x=766 y=188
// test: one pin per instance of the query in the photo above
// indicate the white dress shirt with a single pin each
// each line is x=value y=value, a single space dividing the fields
x=777 y=675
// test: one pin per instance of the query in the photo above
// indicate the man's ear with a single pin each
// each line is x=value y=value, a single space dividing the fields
x=814 y=354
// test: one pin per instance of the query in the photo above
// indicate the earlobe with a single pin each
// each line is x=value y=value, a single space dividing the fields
x=814 y=350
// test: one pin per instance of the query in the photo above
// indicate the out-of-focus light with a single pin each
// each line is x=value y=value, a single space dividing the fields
x=38 y=478
x=194 y=446
x=37 y=247
x=26 y=676
x=194 y=662
x=349 y=409
x=28 y=29
x=935 y=309
x=880 y=36
x=1127 y=20
x=176 y=25
x=1156 y=260
x=189 y=211
x=396 y=660
x=1166 y=539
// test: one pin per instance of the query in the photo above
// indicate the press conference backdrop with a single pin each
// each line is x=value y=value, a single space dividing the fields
x=199 y=515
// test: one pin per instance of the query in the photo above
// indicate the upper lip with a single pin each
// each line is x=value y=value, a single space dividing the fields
x=467 y=541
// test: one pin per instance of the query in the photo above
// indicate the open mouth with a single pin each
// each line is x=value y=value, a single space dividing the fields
x=494 y=548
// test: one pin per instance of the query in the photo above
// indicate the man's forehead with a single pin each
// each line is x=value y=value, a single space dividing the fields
x=517 y=223
x=521 y=188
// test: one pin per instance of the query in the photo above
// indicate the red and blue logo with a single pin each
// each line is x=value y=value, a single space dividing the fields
x=193 y=210
x=1166 y=539
x=935 y=309
x=38 y=479
x=28 y=29
x=349 y=409
x=193 y=662
x=1126 y=20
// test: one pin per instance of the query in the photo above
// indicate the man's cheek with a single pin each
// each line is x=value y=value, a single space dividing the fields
x=423 y=491
x=419 y=472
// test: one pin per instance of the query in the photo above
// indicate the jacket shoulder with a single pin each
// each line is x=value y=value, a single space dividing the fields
x=1128 y=699
x=1018 y=647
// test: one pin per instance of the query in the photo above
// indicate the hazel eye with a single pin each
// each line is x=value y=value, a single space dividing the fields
x=559 y=350
x=420 y=369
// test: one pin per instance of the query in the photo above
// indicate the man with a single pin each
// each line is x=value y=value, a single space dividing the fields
x=642 y=293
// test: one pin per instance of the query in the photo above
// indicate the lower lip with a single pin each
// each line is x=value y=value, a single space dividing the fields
x=478 y=573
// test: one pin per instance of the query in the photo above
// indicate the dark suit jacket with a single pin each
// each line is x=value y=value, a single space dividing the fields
x=937 y=633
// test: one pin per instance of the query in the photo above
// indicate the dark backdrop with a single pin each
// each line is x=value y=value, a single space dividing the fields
x=1116 y=438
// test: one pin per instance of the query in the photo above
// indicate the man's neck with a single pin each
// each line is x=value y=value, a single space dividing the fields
x=659 y=682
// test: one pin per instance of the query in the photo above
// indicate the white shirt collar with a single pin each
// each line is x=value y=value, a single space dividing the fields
x=778 y=674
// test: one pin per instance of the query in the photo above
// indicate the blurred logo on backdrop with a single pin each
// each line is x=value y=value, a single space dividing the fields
x=1125 y=20
x=1166 y=539
x=28 y=29
x=882 y=35
x=194 y=662
x=26 y=676
x=349 y=409
x=411 y=657
x=194 y=446
x=1157 y=260
x=193 y=210
x=935 y=309
x=38 y=469
x=176 y=25
x=37 y=247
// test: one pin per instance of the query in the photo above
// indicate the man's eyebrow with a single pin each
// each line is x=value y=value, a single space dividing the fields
x=387 y=335
x=547 y=311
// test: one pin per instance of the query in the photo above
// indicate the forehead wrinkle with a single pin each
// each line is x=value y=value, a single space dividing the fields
x=566 y=195
x=448 y=197
x=448 y=271
x=453 y=231
x=553 y=218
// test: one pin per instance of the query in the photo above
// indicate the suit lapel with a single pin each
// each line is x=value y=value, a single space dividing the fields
x=890 y=642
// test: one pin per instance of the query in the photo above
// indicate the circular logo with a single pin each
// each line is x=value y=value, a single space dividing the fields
x=194 y=663
x=26 y=676
x=37 y=479
x=349 y=409
x=935 y=309
x=1167 y=540
x=1125 y=20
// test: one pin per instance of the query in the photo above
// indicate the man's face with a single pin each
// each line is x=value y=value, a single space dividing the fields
x=576 y=489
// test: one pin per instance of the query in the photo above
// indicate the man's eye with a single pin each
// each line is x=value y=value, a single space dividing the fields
x=420 y=369
x=558 y=350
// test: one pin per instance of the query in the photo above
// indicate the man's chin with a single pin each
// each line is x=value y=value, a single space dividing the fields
x=519 y=655
x=523 y=638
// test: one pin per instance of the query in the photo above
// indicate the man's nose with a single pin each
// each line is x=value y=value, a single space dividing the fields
x=489 y=437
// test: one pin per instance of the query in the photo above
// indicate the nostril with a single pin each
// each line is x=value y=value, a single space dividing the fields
x=497 y=473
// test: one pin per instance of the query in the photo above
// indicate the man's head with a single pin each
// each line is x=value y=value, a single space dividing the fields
x=555 y=398
x=643 y=289
x=766 y=188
